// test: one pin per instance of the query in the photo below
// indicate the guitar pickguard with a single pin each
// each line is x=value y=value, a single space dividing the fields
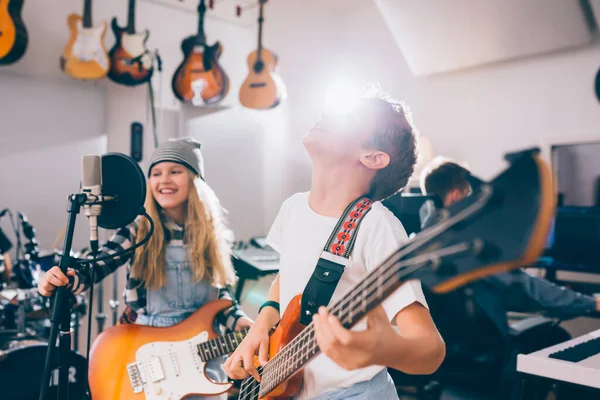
x=171 y=370
x=134 y=46
x=88 y=45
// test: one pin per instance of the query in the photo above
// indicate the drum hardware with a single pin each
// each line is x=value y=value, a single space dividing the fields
x=21 y=368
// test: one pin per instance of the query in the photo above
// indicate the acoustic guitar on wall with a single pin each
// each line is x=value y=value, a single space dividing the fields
x=85 y=56
x=200 y=80
x=263 y=88
x=130 y=62
x=13 y=34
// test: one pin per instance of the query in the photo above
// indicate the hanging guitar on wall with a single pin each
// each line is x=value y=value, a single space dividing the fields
x=13 y=34
x=130 y=62
x=200 y=80
x=263 y=88
x=85 y=56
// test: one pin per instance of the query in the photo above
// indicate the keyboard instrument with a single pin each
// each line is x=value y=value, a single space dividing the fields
x=575 y=361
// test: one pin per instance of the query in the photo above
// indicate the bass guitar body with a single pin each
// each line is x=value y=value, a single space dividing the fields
x=200 y=80
x=13 y=34
x=130 y=362
x=288 y=328
x=130 y=61
x=263 y=88
x=85 y=56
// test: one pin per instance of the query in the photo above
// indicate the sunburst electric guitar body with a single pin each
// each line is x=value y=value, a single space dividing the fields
x=131 y=63
x=200 y=80
x=130 y=362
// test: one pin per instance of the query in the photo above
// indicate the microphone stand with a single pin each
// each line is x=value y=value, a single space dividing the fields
x=100 y=317
x=61 y=314
x=114 y=303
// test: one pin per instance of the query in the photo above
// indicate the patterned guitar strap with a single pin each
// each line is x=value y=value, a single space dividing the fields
x=334 y=259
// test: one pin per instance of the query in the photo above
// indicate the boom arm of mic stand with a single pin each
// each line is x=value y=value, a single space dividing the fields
x=61 y=313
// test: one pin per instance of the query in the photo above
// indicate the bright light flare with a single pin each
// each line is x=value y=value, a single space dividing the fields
x=342 y=97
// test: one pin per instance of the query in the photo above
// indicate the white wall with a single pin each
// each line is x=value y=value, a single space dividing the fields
x=474 y=116
x=46 y=128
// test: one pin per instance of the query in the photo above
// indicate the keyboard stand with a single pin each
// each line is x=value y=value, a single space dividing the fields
x=250 y=265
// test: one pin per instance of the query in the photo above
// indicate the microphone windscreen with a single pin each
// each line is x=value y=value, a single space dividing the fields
x=122 y=178
x=91 y=171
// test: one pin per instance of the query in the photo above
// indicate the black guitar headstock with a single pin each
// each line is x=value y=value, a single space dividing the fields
x=503 y=225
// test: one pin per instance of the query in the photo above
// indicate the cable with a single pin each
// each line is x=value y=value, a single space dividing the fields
x=124 y=252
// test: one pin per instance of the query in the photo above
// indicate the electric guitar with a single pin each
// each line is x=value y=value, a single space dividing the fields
x=140 y=362
x=200 y=80
x=130 y=61
x=84 y=56
x=13 y=34
x=502 y=226
x=263 y=88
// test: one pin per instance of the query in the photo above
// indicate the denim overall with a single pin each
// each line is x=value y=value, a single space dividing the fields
x=177 y=300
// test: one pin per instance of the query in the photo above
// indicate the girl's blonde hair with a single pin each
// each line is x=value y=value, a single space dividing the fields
x=207 y=239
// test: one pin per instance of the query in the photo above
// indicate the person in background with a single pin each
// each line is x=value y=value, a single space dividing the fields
x=510 y=291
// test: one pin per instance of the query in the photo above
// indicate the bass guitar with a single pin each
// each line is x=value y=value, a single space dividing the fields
x=140 y=362
x=263 y=88
x=200 y=80
x=85 y=56
x=130 y=62
x=13 y=34
x=503 y=225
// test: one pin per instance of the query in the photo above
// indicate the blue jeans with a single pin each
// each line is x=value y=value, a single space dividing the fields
x=380 y=387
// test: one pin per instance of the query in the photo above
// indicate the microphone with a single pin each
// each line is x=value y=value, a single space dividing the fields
x=115 y=187
x=91 y=184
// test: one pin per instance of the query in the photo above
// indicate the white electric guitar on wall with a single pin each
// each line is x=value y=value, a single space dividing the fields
x=85 y=56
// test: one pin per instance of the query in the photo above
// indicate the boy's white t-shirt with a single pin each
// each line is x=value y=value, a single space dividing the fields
x=299 y=235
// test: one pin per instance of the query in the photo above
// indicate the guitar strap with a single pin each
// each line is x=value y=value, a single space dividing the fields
x=334 y=259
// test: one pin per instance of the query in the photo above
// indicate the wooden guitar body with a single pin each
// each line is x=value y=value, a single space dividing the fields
x=130 y=61
x=288 y=328
x=85 y=56
x=200 y=80
x=122 y=351
x=263 y=88
x=13 y=34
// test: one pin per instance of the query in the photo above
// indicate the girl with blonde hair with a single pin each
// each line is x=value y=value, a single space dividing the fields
x=187 y=261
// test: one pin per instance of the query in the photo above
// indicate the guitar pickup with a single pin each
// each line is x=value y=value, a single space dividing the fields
x=135 y=377
x=258 y=85
x=156 y=371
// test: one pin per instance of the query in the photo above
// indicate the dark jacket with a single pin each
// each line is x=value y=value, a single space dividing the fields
x=518 y=291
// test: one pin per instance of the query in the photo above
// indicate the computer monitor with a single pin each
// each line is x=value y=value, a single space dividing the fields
x=576 y=168
x=576 y=236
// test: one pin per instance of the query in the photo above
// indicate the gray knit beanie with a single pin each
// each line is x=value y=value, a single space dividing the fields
x=185 y=151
